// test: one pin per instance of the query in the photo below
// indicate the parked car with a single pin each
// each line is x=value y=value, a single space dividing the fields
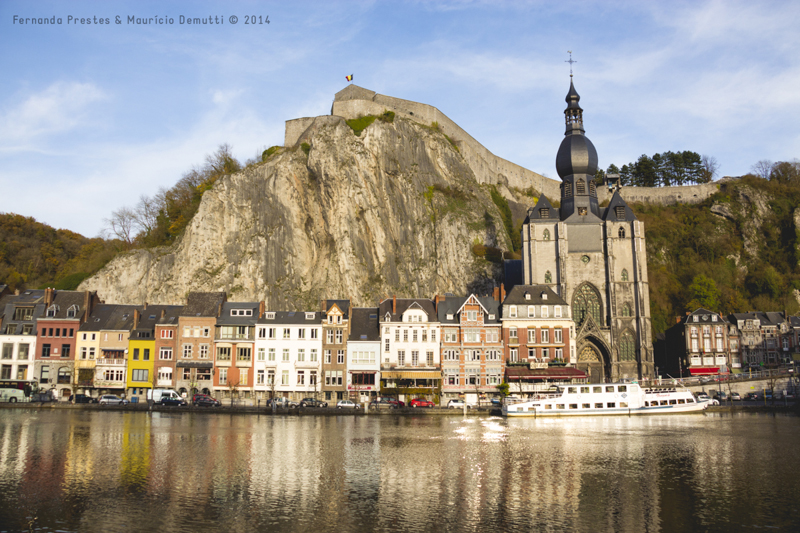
x=283 y=403
x=381 y=403
x=346 y=404
x=396 y=403
x=751 y=396
x=110 y=399
x=83 y=398
x=719 y=395
x=456 y=404
x=312 y=402
x=736 y=397
x=204 y=400
x=702 y=396
x=789 y=395
x=421 y=402
x=173 y=401
x=768 y=395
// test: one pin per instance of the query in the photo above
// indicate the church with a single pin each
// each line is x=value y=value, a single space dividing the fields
x=595 y=259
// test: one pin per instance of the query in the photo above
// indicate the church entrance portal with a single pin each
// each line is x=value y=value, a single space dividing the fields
x=594 y=360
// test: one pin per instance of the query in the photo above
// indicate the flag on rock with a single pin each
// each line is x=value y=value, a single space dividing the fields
x=349 y=78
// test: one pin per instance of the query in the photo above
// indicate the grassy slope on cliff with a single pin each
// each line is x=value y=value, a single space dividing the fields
x=33 y=254
x=687 y=241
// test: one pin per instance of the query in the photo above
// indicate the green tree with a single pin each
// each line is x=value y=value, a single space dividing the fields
x=704 y=294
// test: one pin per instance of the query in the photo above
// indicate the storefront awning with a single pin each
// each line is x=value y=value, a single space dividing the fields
x=514 y=373
x=193 y=364
x=700 y=371
x=411 y=375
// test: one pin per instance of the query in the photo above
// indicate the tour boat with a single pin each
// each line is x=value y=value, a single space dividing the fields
x=606 y=399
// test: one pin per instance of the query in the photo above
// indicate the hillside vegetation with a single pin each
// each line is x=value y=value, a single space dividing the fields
x=35 y=255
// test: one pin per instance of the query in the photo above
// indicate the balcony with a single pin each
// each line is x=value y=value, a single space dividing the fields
x=111 y=362
x=513 y=340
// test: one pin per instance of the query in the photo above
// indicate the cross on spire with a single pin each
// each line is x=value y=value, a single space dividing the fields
x=570 y=61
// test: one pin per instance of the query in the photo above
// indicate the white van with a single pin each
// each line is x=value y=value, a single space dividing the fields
x=156 y=395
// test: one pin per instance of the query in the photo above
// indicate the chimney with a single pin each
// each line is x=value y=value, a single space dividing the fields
x=262 y=306
x=163 y=313
x=16 y=292
x=145 y=306
x=502 y=292
x=48 y=297
x=219 y=310
x=324 y=306
x=678 y=319
x=136 y=316
x=496 y=294
x=394 y=304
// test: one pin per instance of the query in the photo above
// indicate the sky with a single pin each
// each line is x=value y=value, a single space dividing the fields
x=92 y=116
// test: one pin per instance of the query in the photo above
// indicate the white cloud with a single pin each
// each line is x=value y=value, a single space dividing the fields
x=62 y=107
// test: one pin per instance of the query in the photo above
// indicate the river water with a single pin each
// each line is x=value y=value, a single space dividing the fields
x=76 y=470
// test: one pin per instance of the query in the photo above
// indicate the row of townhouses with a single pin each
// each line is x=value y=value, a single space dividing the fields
x=705 y=342
x=450 y=346
x=447 y=347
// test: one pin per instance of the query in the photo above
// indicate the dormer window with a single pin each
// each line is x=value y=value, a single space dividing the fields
x=339 y=319
x=620 y=212
x=491 y=317
x=241 y=312
x=309 y=316
x=270 y=315
x=52 y=310
x=330 y=319
x=72 y=312
x=544 y=296
x=545 y=213
x=449 y=316
x=527 y=296
x=696 y=318
x=713 y=318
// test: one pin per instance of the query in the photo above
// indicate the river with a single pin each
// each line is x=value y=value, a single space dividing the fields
x=81 y=470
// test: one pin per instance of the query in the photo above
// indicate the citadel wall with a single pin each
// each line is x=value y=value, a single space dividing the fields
x=354 y=102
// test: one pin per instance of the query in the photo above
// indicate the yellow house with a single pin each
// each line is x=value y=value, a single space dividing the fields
x=87 y=349
x=142 y=351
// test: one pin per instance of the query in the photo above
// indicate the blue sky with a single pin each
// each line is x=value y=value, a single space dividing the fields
x=93 y=116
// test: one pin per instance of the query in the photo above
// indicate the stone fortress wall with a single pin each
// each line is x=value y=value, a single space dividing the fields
x=354 y=102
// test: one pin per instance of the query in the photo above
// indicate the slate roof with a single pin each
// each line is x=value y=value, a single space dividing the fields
x=63 y=300
x=226 y=318
x=766 y=319
x=9 y=304
x=611 y=210
x=203 y=304
x=171 y=314
x=297 y=318
x=344 y=307
x=152 y=316
x=516 y=296
x=550 y=213
x=451 y=304
x=701 y=312
x=364 y=324
x=121 y=318
x=98 y=318
x=403 y=304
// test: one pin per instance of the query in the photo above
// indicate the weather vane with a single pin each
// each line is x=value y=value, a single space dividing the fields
x=570 y=62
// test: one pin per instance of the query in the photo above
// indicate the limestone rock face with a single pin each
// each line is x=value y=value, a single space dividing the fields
x=350 y=219
x=748 y=210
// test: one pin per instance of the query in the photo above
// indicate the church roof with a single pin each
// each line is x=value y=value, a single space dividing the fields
x=543 y=210
x=577 y=154
x=533 y=295
x=624 y=214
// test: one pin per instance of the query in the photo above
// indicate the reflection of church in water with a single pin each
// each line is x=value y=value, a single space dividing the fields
x=594 y=257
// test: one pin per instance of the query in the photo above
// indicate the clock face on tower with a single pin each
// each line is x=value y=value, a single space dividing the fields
x=585 y=259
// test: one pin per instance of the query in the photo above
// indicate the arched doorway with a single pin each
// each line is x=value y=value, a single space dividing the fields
x=593 y=358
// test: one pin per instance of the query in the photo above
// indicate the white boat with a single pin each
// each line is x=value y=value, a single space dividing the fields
x=606 y=399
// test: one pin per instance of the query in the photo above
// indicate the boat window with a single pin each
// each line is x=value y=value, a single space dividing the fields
x=598 y=406
x=681 y=400
x=610 y=388
x=647 y=404
x=548 y=406
x=573 y=406
x=559 y=406
x=586 y=406
x=598 y=390
x=611 y=405
x=673 y=402
x=623 y=404
x=572 y=390
x=664 y=402
x=689 y=400
x=585 y=390
x=622 y=388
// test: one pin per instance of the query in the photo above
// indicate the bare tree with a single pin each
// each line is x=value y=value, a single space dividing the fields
x=710 y=167
x=146 y=212
x=121 y=225
x=233 y=386
x=762 y=169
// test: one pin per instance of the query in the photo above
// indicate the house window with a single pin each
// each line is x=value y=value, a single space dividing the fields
x=165 y=334
x=301 y=377
x=65 y=349
x=512 y=334
x=44 y=375
x=557 y=311
x=548 y=277
x=514 y=355
x=396 y=335
x=285 y=356
x=401 y=357
x=545 y=312
x=165 y=374
x=386 y=345
x=327 y=357
x=414 y=358
x=286 y=333
x=414 y=335
x=285 y=377
x=243 y=353
x=531 y=335
x=243 y=377
x=301 y=354
x=330 y=336
x=204 y=351
x=187 y=351
x=405 y=335
x=23 y=351
x=261 y=354
x=531 y=311
x=512 y=311
x=260 y=377
x=312 y=378
x=271 y=354
x=313 y=357
x=433 y=335
x=340 y=357
x=545 y=336
x=45 y=350
x=557 y=335
x=136 y=354
x=139 y=374
x=223 y=353
x=165 y=354
x=223 y=376
x=559 y=354
x=429 y=357
x=8 y=351
x=315 y=333
x=271 y=333
x=301 y=333
x=545 y=214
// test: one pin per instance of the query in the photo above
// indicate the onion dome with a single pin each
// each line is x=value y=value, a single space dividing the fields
x=577 y=154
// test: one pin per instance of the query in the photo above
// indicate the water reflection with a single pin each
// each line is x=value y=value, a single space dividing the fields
x=100 y=471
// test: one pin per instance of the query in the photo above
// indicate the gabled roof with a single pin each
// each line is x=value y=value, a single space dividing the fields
x=611 y=210
x=403 y=304
x=364 y=325
x=701 y=312
x=550 y=213
x=297 y=318
x=343 y=305
x=64 y=300
x=203 y=304
x=171 y=314
x=452 y=305
x=121 y=318
x=98 y=318
x=517 y=296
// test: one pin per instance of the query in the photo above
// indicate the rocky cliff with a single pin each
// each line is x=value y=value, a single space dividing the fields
x=338 y=216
